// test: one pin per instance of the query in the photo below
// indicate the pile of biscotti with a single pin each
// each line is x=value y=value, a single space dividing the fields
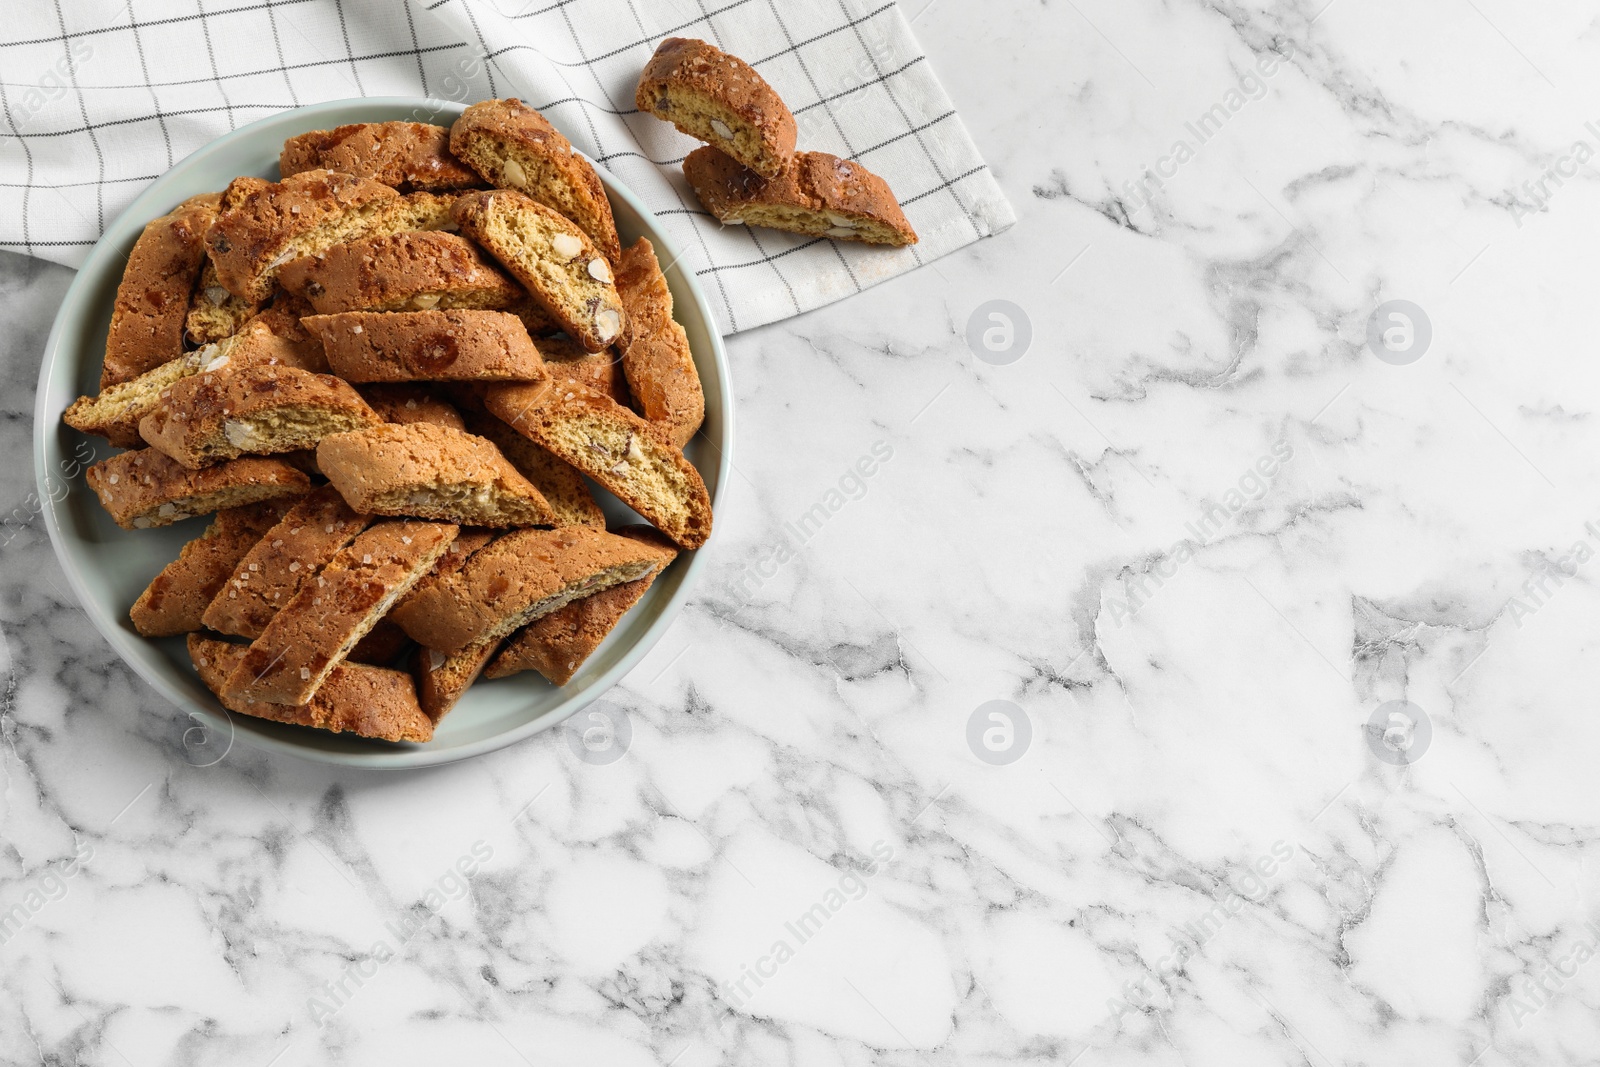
x=386 y=376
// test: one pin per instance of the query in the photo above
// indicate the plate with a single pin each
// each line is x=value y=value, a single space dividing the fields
x=108 y=566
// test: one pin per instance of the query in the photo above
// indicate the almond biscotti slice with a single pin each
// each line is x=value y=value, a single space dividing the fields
x=366 y=701
x=283 y=560
x=818 y=195
x=175 y=600
x=655 y=356
x=441 y=346
x=441 y=679
x=314 y=632
x=515 y=147
x=562 y=485
x=221 y=414
x=414 y=271
x=147 y=317
x=144 y=488
x=613 y=446
x=719 y=99
x=520 y=577
x=406 y=403
x=431 y=472
x=405 y=155
x=552 y=257
x=559 y=643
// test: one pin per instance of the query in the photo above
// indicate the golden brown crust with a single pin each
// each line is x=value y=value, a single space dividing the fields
x=601 y=371
x=406 y=403
x=401 y=272
x=144 y=488
x=442 y=679
x=656 y=358
x=147 y=318
x=409 y=346
x=175 y=600
x=382 y=646
x=561 y=483
x=404 y=155
x=698 y=88
x=819 y=195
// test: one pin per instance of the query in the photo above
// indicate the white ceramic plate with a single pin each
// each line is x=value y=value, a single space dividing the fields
x=109 y=566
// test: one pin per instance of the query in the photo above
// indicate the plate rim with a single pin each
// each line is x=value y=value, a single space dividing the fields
x=144 y=208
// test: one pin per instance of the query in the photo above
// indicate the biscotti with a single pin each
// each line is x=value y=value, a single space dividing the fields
x=405 y=155
x=404 y=403
x=515 y=147
x=562 y=485
x=600 y=371
x=613 y=446
x=366 y=701
x=382 y=646
x=431 y=472
x=442 y=679
x=818 y=195
x=145 y=488
x=175 y=600
x=409 y=346
x=656 y=359
x=552 y=257
x=147 y=317
x=277 y=222
x=559 y=643
x=217 y=415
x=285 y=558
x=469 y=540
x=215 y=313
x=520 y=577
x=312 y=634
x=719 y=99
x=414 y=271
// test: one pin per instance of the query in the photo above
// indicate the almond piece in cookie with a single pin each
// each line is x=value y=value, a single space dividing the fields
x=431 y=472
x=417 y=271
x=358 y=699
x=314 y=632
x=613 y=446
x=719 y=99
x=562 y=485
x=215 y=313
x=819 y=195
x=144 y=488
x=175 y=600
x=405 y=155
x=552 y=257
x=147 y=317
x=406 y=403
x=515 y=147
x=225 y=413
x=656 y=359
x=413 y=346
x=517 y=578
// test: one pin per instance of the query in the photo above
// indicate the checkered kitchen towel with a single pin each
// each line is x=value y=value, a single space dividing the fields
x=101 y=96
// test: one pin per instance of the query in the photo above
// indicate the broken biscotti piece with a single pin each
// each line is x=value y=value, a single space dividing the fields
x=613 y=446
x=147 y=318
x=255 y=409
x=719 y=99
x=414 y=271
x=285 y=558
x=552 y=257
x=404 y=402
x=432 y=472
x=175 y=600
x=656 y=358
x=314 y=632
x=520 y=577
x=145 y=488
x=819 y=195
x=441 y=679
x=515 y=147
x=562 y=485
x=405 y=155
x=270 y=224
x=366 y=701
x=559 y=643
x=410 y=346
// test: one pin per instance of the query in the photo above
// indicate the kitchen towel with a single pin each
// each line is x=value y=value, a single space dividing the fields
x=101 y=96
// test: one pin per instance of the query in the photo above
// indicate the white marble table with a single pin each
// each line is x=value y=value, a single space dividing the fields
x=1199 y=533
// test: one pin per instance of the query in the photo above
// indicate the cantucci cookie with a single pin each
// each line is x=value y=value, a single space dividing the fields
x=313 y=633
x=442 y=679
x=382 y=646
x=215 y=313
x=405 y=155
x=414 y=271
x=719 y=99
x=515 y=147
x=410 y=346
x=562 y=485
x=274 y=223
x=818 y=195
x=520 y=577
x=613 y=446
x=221 y=414
x=145 y=488
x=655 y=356
x=356 y=698
x=431 y=472
x=175 y=600
x=405 y=403
x=600 y=371
x=285 y=558
x=552 y=257
x=147 y=317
